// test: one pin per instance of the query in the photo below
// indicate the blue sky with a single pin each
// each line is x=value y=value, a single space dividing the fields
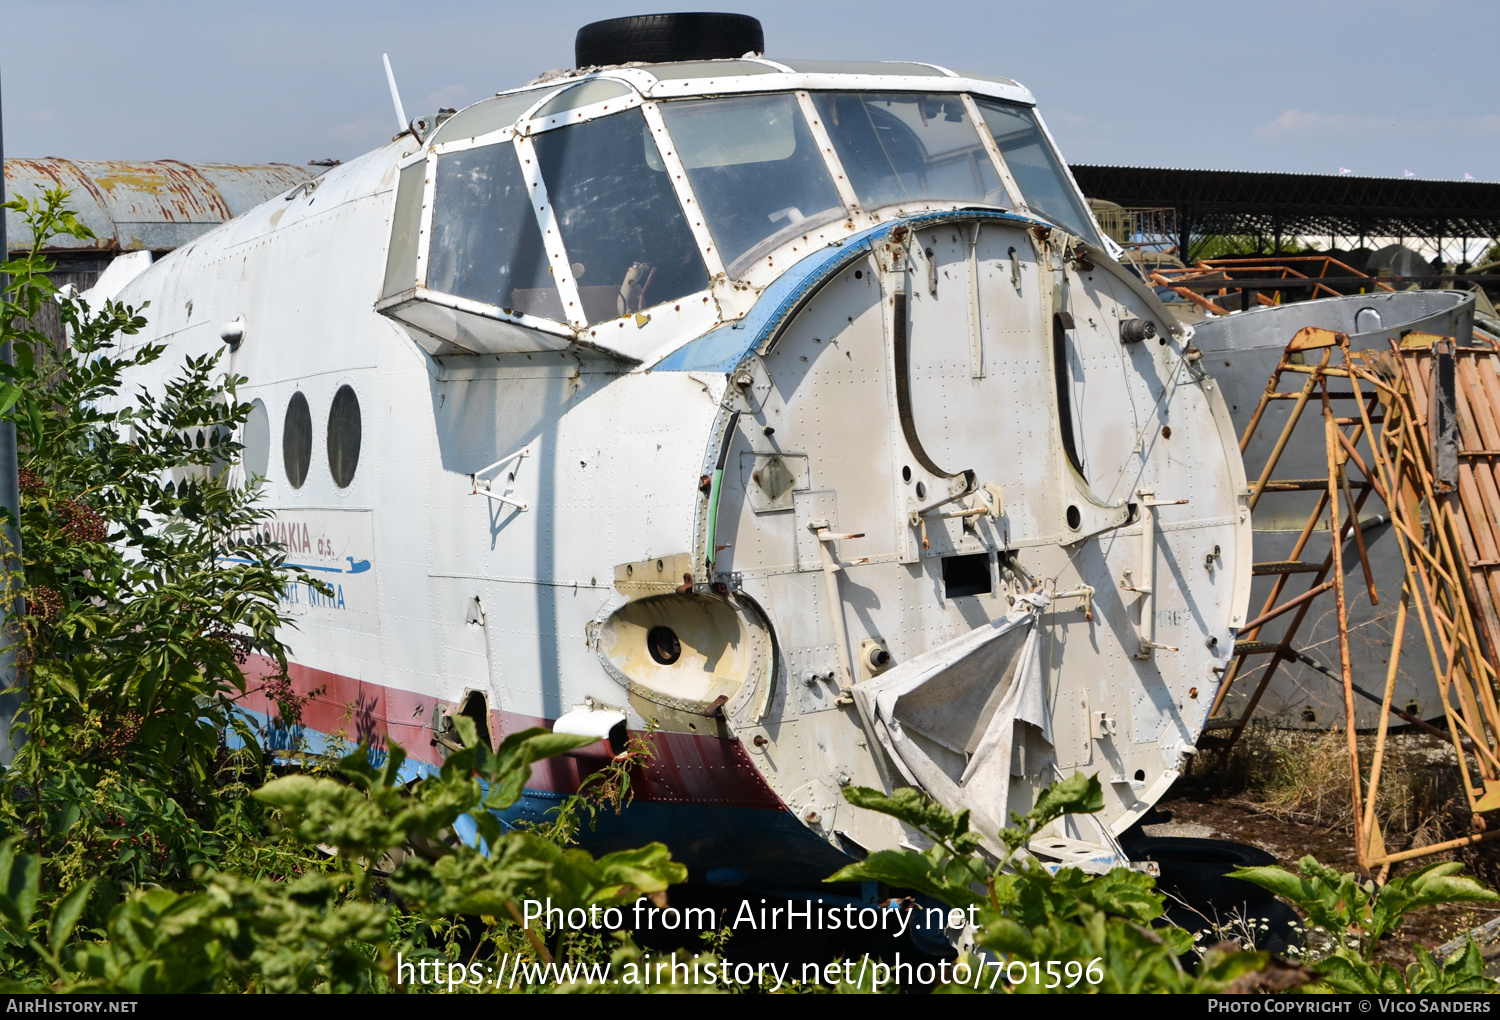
x=1380 y=88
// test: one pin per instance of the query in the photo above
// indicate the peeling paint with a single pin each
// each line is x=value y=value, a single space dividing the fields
x=139 y=205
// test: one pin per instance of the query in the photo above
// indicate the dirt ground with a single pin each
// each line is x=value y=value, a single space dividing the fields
x=1200 y=808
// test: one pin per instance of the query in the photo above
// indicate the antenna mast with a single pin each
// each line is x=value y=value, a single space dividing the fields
x=401 y=122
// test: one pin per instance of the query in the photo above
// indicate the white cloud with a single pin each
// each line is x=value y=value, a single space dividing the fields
x=366 y=132
x=1294 y=123
x=1069 y=119
x=456 y=96
x=1434 y=123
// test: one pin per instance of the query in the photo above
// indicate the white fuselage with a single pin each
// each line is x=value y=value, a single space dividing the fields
x=708 y=512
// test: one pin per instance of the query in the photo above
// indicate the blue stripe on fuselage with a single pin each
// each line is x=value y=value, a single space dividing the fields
x=722 y=348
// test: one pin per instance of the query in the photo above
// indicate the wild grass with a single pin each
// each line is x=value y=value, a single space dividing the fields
x=1303 y=776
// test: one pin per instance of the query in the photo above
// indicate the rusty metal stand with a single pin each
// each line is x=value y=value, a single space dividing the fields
x=1430 y=412
x=1254 y=282
x=1341 y=436
x=1435 y=465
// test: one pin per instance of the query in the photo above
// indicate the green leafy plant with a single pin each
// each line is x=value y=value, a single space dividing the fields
x=143 y=592
x=1109 y=927
x=146 y=844
x=608 y=787
x=1045 y=930
x=345 y=930
x=1358 y=914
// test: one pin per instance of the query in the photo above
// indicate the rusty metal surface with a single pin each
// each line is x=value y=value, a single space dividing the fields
x=1253 y=279
x=144 y=205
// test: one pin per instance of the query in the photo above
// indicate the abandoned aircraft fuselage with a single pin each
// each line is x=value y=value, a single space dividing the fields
x=794 y=410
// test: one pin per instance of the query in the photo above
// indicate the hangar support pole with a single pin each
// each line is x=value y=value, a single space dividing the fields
x=10 y=500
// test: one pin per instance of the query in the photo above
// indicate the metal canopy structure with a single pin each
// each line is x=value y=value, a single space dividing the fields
x=136 y=206
x=1290 y=205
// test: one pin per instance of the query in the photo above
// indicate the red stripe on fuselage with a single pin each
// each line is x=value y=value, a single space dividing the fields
x=688 y=768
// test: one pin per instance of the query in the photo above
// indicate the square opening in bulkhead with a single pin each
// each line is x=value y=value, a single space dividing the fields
x=966 y=575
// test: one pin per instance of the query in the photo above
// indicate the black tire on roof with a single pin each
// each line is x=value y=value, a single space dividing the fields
x=656 y=38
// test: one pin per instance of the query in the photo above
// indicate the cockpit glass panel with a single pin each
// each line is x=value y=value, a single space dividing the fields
x=406 y=229
x=755 y=171
x=902 y=146
x=489 y=115
x=862 y=67
x=595 y=90
x=626 y=238
x=987 y=77
x=1035 y=166
x=707 y=69
x=485 y=242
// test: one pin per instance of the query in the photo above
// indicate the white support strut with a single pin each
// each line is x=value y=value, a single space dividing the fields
x=485 y=486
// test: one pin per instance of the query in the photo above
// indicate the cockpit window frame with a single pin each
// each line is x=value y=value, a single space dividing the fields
x=557 y=254
x=872 y=177
x=541 y=96
x=1018 y=199
x=521 y=135
x=678 y=175
x=1067 y=168
x=645 y=95
x=1067 y=179
x=830 y=154
x=531 y=124
x=429 y=190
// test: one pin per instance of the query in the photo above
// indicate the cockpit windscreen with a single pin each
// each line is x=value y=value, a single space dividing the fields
x=899 y=147
x=755 y=176
x=1035 y=167
x=628 y=243
x=485 y=242
x=755 y=171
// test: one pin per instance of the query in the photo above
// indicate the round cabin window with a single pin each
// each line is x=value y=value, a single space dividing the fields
x=255 y=442
x=296 y=440
x=343 y=436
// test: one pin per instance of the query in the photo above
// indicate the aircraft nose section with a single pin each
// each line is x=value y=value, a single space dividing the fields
x=965 y=505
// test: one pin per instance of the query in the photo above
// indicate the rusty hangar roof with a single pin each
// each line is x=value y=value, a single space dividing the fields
x=136 y=206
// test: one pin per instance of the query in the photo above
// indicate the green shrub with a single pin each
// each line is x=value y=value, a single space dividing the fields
x=144 y=853
x=1110 y=928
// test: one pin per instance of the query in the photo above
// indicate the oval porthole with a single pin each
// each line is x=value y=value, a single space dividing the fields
x=1075 y=519
x=296 y=440
x=343 y=436
x=255 y=442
